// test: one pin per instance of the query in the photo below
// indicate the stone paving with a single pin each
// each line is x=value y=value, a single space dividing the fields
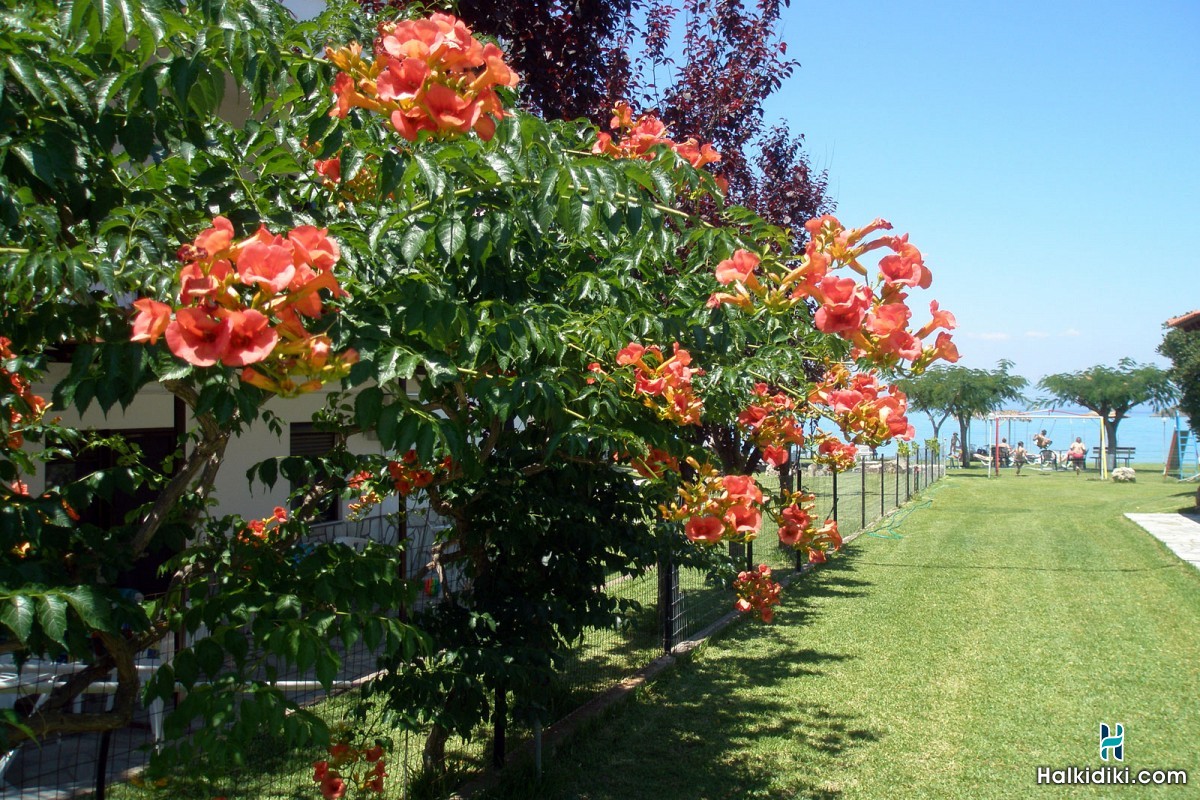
x=1180 y=532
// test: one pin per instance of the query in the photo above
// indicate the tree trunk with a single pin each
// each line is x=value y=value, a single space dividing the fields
x=1110 y=434
x=727 y=445
x=937 y=423
x=433 y=758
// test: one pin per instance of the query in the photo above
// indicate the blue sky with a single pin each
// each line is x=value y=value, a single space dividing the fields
x=1044 y=157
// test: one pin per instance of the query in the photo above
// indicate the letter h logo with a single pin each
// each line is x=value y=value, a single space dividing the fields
x=1112 y=742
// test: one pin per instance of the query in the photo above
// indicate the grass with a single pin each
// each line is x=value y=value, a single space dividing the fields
x=1008 y=621
x=604 y=657
x=272 y=773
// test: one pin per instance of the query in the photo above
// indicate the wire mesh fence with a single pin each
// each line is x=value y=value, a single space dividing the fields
x=671 y=603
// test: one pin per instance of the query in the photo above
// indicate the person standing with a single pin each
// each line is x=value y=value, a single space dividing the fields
x=954 y=447
x=1019 y=457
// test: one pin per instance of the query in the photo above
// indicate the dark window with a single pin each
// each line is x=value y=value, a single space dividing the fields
x=157 y=445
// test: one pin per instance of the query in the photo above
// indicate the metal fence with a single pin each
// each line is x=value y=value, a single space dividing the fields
x=673 y=603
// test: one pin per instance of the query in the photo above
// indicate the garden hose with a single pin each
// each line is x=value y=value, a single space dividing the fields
x=893 y=521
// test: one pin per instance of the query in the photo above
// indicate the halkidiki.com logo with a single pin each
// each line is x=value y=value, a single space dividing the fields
x=1112 y=750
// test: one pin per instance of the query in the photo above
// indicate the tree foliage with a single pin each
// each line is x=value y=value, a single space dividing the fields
x=1183 y=348
x=706 y=68
x=963 y=394
x=1112 y=392
x=531 y=329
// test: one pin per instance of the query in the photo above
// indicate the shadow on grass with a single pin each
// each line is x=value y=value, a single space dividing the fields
x=742 y=720
x=612 y=655
x=701 y=733
x=833 y=579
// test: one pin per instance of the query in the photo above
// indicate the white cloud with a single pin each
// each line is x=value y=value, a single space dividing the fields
x=1071 y=332
x=1036 y=335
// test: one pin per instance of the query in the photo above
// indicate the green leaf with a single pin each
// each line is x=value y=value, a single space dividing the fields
x=302 y=649
x=451 y=235
x=75 y=14
x=431 y=172
x=549 y=184
x=413 y=241
x=579 y=214
x=23 y=70
x=426 y=438
x=389 y=416
x=268 y=472
x=478 y=237
x=662 y=181
x=124 y=16
x=17 y=616
x=502 y=166
x=52 y=616
x=405 y=432
x=328 y=665
x=439 y=370
x=352 y=161
x=209 y=656
x=367 y=406
x=633 y=218
x=398 y=364
x=391 y=170
x=137 y=137
x=89 y=604
x=50 y=82
x=186 y=668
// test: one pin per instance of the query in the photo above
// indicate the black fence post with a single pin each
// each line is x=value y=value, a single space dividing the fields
x=668 y=599
x=907 y=477
x=835 y=496
x=102 y=765
x=883 y=486
x=862 y=488
x=897 y=481
x=799 y=488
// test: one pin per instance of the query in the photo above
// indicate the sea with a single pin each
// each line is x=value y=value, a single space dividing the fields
x=1149 y=433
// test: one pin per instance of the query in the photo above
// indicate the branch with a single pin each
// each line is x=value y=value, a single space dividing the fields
x=489 y=444
x=119 y=655
x=204 y=460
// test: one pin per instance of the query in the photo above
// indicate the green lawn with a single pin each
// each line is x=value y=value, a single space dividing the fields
x=1009 y=619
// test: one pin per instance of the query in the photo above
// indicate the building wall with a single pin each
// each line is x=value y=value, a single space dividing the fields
x=154 y=408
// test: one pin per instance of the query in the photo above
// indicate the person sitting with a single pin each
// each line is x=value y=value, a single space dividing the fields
x=1076 y=454
x=1005 y=453
x=1042 y=442
x=1019 y=456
